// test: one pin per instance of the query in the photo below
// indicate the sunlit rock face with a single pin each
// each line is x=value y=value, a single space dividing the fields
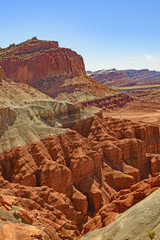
x=34 y=61
x=58 y=72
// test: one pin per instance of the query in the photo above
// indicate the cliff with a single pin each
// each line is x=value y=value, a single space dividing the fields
x=56 y=71
x=34 y=61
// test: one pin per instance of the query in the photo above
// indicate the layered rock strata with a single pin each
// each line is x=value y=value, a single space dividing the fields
x=88 y=180
x=58 y=72
x=59 y=180
x=64 y=169
x=130 y=77
x=34 y=61
x=110 y=78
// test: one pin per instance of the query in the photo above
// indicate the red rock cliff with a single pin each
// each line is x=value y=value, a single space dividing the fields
x=58 y=72
x=34 y=60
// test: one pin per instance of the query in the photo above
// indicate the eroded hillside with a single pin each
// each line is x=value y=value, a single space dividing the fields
x=136 y=223
x=60 y=164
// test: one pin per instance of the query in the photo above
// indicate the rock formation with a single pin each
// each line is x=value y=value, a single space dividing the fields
x=135 y=223
x=143 y=76
x=34 y=61
x=110 y=78
x=58 y=72
x=142 y=84
x=117 y=78
x=63 y=167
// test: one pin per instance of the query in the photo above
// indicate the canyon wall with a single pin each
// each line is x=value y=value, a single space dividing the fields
x=58 y=72
x=34 y=61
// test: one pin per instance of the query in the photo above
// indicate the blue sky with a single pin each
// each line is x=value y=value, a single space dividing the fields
x=108 y=34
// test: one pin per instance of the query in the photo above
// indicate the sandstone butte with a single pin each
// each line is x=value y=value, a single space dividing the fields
x=33 y=61
x=67 y=170
x=58 y=72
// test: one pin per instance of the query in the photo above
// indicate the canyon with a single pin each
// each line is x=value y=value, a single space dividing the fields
x=70 y=161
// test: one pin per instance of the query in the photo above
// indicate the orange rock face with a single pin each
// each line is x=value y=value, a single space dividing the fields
x=72 y=183
x=34 y=61
x=58 y=72
x=69 y=181
x=121 y=201
x=66 y=182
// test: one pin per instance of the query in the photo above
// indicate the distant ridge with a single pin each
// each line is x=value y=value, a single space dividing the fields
x=117 y=78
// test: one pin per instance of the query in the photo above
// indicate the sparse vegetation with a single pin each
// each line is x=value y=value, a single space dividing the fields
x=151 y=235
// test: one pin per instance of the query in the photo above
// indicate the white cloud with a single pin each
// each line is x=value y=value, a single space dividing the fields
x=151 y=58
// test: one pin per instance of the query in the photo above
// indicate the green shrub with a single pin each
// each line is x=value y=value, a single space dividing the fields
x=151 y=235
